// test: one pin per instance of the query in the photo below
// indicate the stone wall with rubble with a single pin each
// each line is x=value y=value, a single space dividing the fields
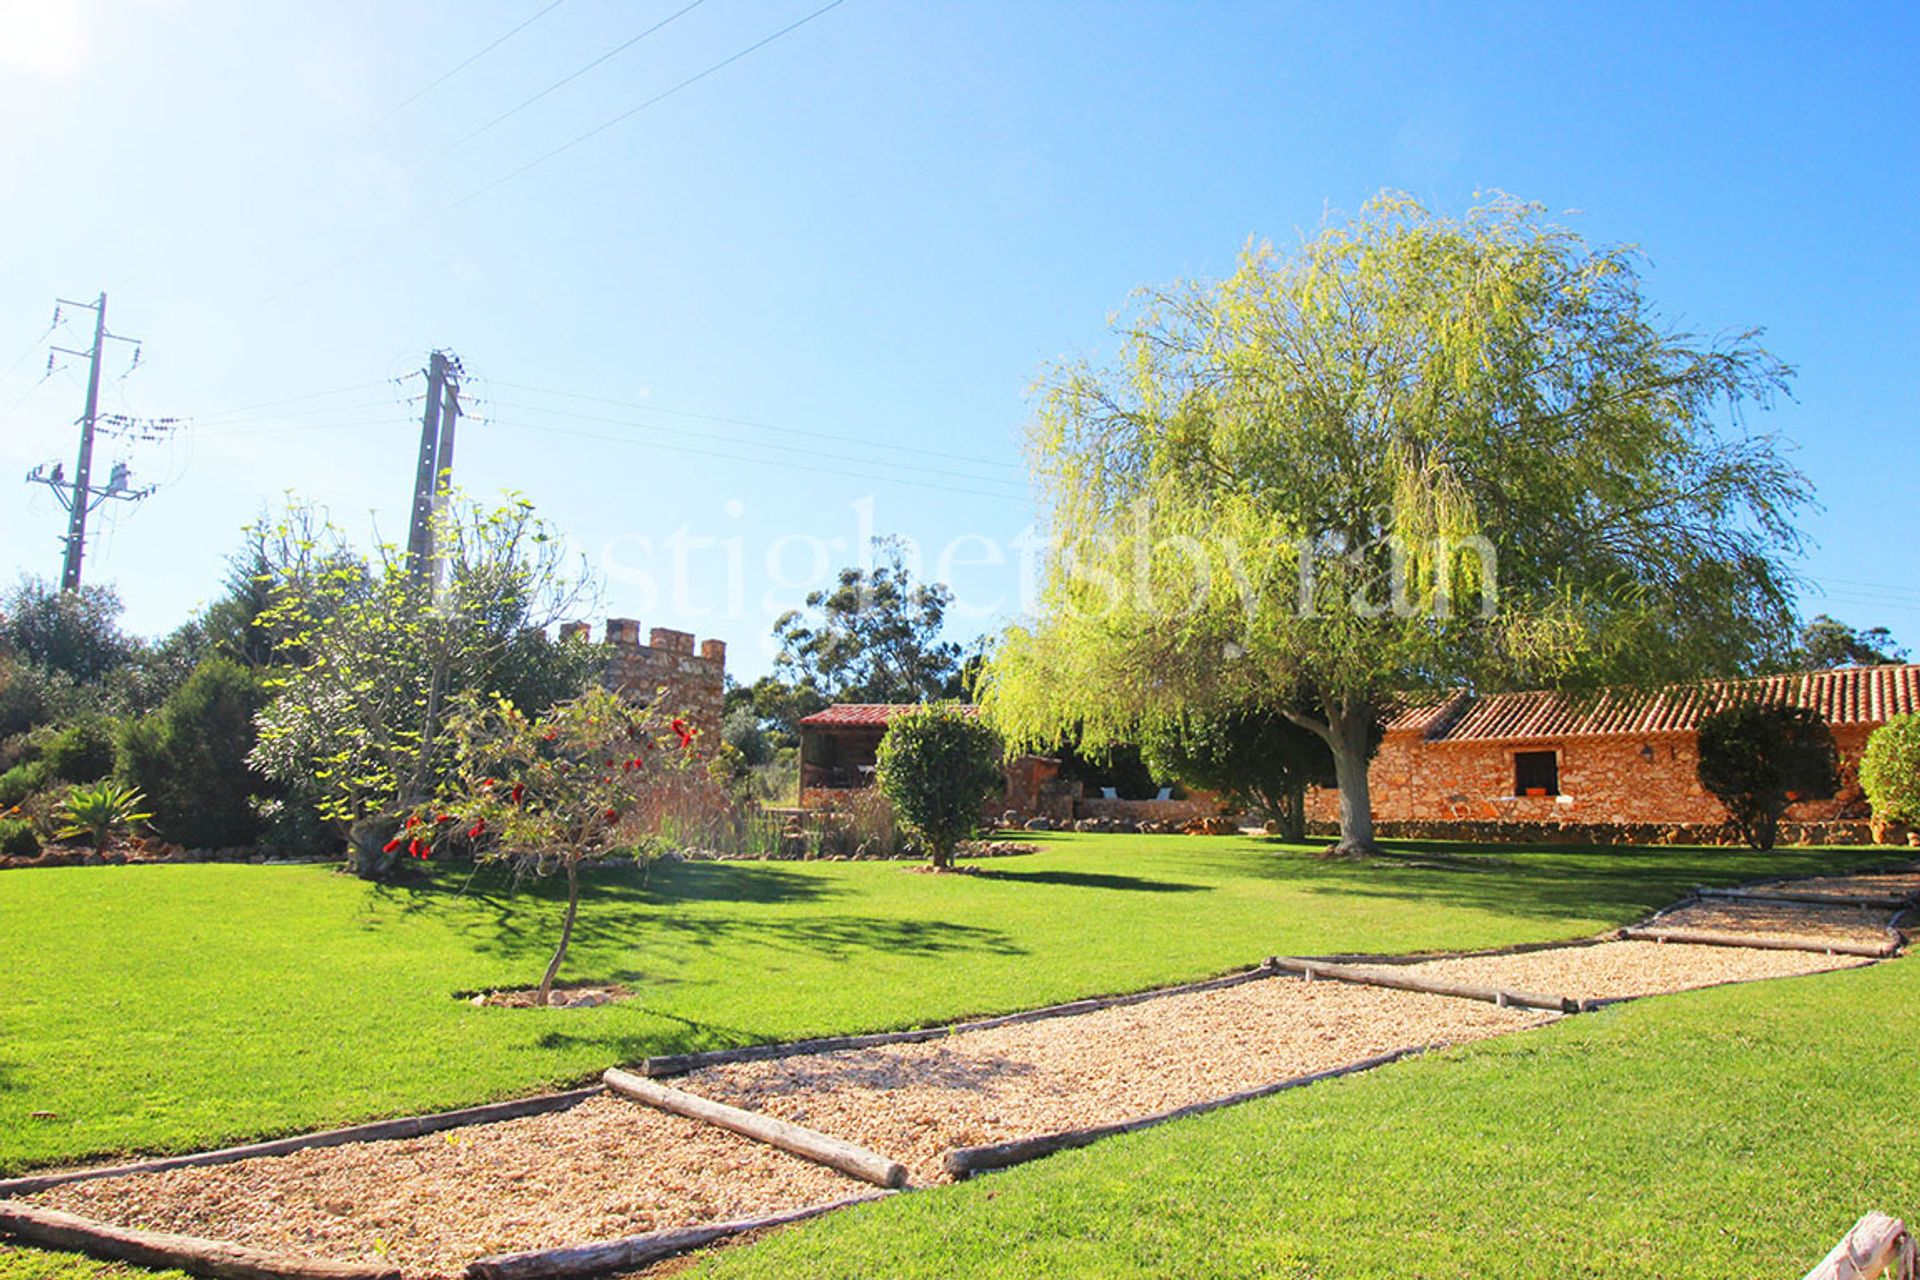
x=1646 y=782
x=684 y=679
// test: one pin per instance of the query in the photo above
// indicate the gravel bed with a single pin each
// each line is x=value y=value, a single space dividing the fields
x=604 y=1169
x=1783 y=920
x=914 y=1102
x=1614 y=969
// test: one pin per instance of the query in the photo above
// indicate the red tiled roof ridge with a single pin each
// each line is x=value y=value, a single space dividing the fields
x=872 y=713
x=1841 y=695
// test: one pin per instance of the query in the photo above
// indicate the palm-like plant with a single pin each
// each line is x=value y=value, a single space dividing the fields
x=98 y=811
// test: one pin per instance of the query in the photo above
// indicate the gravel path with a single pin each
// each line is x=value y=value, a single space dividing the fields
x=1781 y=920
x=604 y=1169
x=913 y=1102
x=1613 y=969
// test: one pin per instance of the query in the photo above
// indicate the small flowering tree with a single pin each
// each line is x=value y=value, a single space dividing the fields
x=549 y=792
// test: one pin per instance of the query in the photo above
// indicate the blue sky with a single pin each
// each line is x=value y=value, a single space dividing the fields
x=802 y=299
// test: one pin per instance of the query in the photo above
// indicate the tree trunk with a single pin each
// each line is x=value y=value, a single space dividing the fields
x=566 y=934
x=1348 y=730
x=366 y=854
x=943 y=856
x=1293 y=815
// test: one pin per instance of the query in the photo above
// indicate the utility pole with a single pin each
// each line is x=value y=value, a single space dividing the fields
x=79 y=495
x=433 y=473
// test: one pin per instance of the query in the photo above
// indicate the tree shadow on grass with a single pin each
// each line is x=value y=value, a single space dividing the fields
x=1571 y=882
x=1091 y=880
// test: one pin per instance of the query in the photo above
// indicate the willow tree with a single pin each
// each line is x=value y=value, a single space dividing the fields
x=1416 y=453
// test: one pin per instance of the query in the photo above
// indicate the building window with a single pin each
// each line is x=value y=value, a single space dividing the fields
x=1536 y=773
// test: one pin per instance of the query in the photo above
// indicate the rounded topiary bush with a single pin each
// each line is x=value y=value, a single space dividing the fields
x=936 y=765
x=1890 y=771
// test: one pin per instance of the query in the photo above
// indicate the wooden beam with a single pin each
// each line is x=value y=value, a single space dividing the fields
x=1372 y=977
x=1812 y=898
x=636 y=1251
x=379 y=1130
x=675 y=1064
x=1761 y=941
x=52 y=1229
x=964 y=1162
x=819 y=1147
x=1875 y=1244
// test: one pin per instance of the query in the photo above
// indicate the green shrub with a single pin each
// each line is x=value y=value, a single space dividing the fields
x=190 y=758
x=21 y=781
x=1758 y=759
x=17 y=839
x=936 y=765
x=82 y=751
x=1890 y=770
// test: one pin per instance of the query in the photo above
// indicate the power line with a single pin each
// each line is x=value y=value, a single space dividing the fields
x=466 y=62
x=561 y=83
x=801 y=450
x=781 y=463
x=546 y=156
x=269 y=404
x=759 y=426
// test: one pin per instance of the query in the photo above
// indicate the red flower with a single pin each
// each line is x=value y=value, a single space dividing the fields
x=519 y=791
x=390 y=845
x=613 y=815
x=444 y=818
x=474 y=831
x=486 y=784
x=416 y=848
x=412 y=821
x=685 y=731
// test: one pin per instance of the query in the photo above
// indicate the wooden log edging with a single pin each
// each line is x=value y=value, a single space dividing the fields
x=1372 y=977
x=1762 y=942
x=636 y=1251
x=1481 y=953
x=822 y=1148
x=962 y=1163
x=376 y=1131
x=1873 y=1246
x=676 y=1064
x=1813 y=898
x=218 y=1258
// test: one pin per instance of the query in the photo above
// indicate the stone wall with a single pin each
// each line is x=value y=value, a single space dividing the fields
x=668 y=669
x=1613 y=780
x=1202 y=806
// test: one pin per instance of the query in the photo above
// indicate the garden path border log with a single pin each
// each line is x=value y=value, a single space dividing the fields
x=1372 y=977
x=1812 y=898
x=375 y=1131
x=636 y=1251
x=963 y=1162
x=1871 y=1246
x=1721 y=938
x=218 y=1258
x=822 y=1148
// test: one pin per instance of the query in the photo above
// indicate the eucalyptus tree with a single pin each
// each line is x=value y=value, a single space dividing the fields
x=1414 y=453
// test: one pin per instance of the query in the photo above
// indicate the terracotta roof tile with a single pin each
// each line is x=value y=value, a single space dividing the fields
x=875 y=714
x=1847 y=695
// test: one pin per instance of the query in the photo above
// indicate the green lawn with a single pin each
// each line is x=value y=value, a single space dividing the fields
x=170 y=1008
x=1709 y=1135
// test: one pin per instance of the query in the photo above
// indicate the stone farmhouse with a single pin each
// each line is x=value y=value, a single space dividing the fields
x=1617 y=765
